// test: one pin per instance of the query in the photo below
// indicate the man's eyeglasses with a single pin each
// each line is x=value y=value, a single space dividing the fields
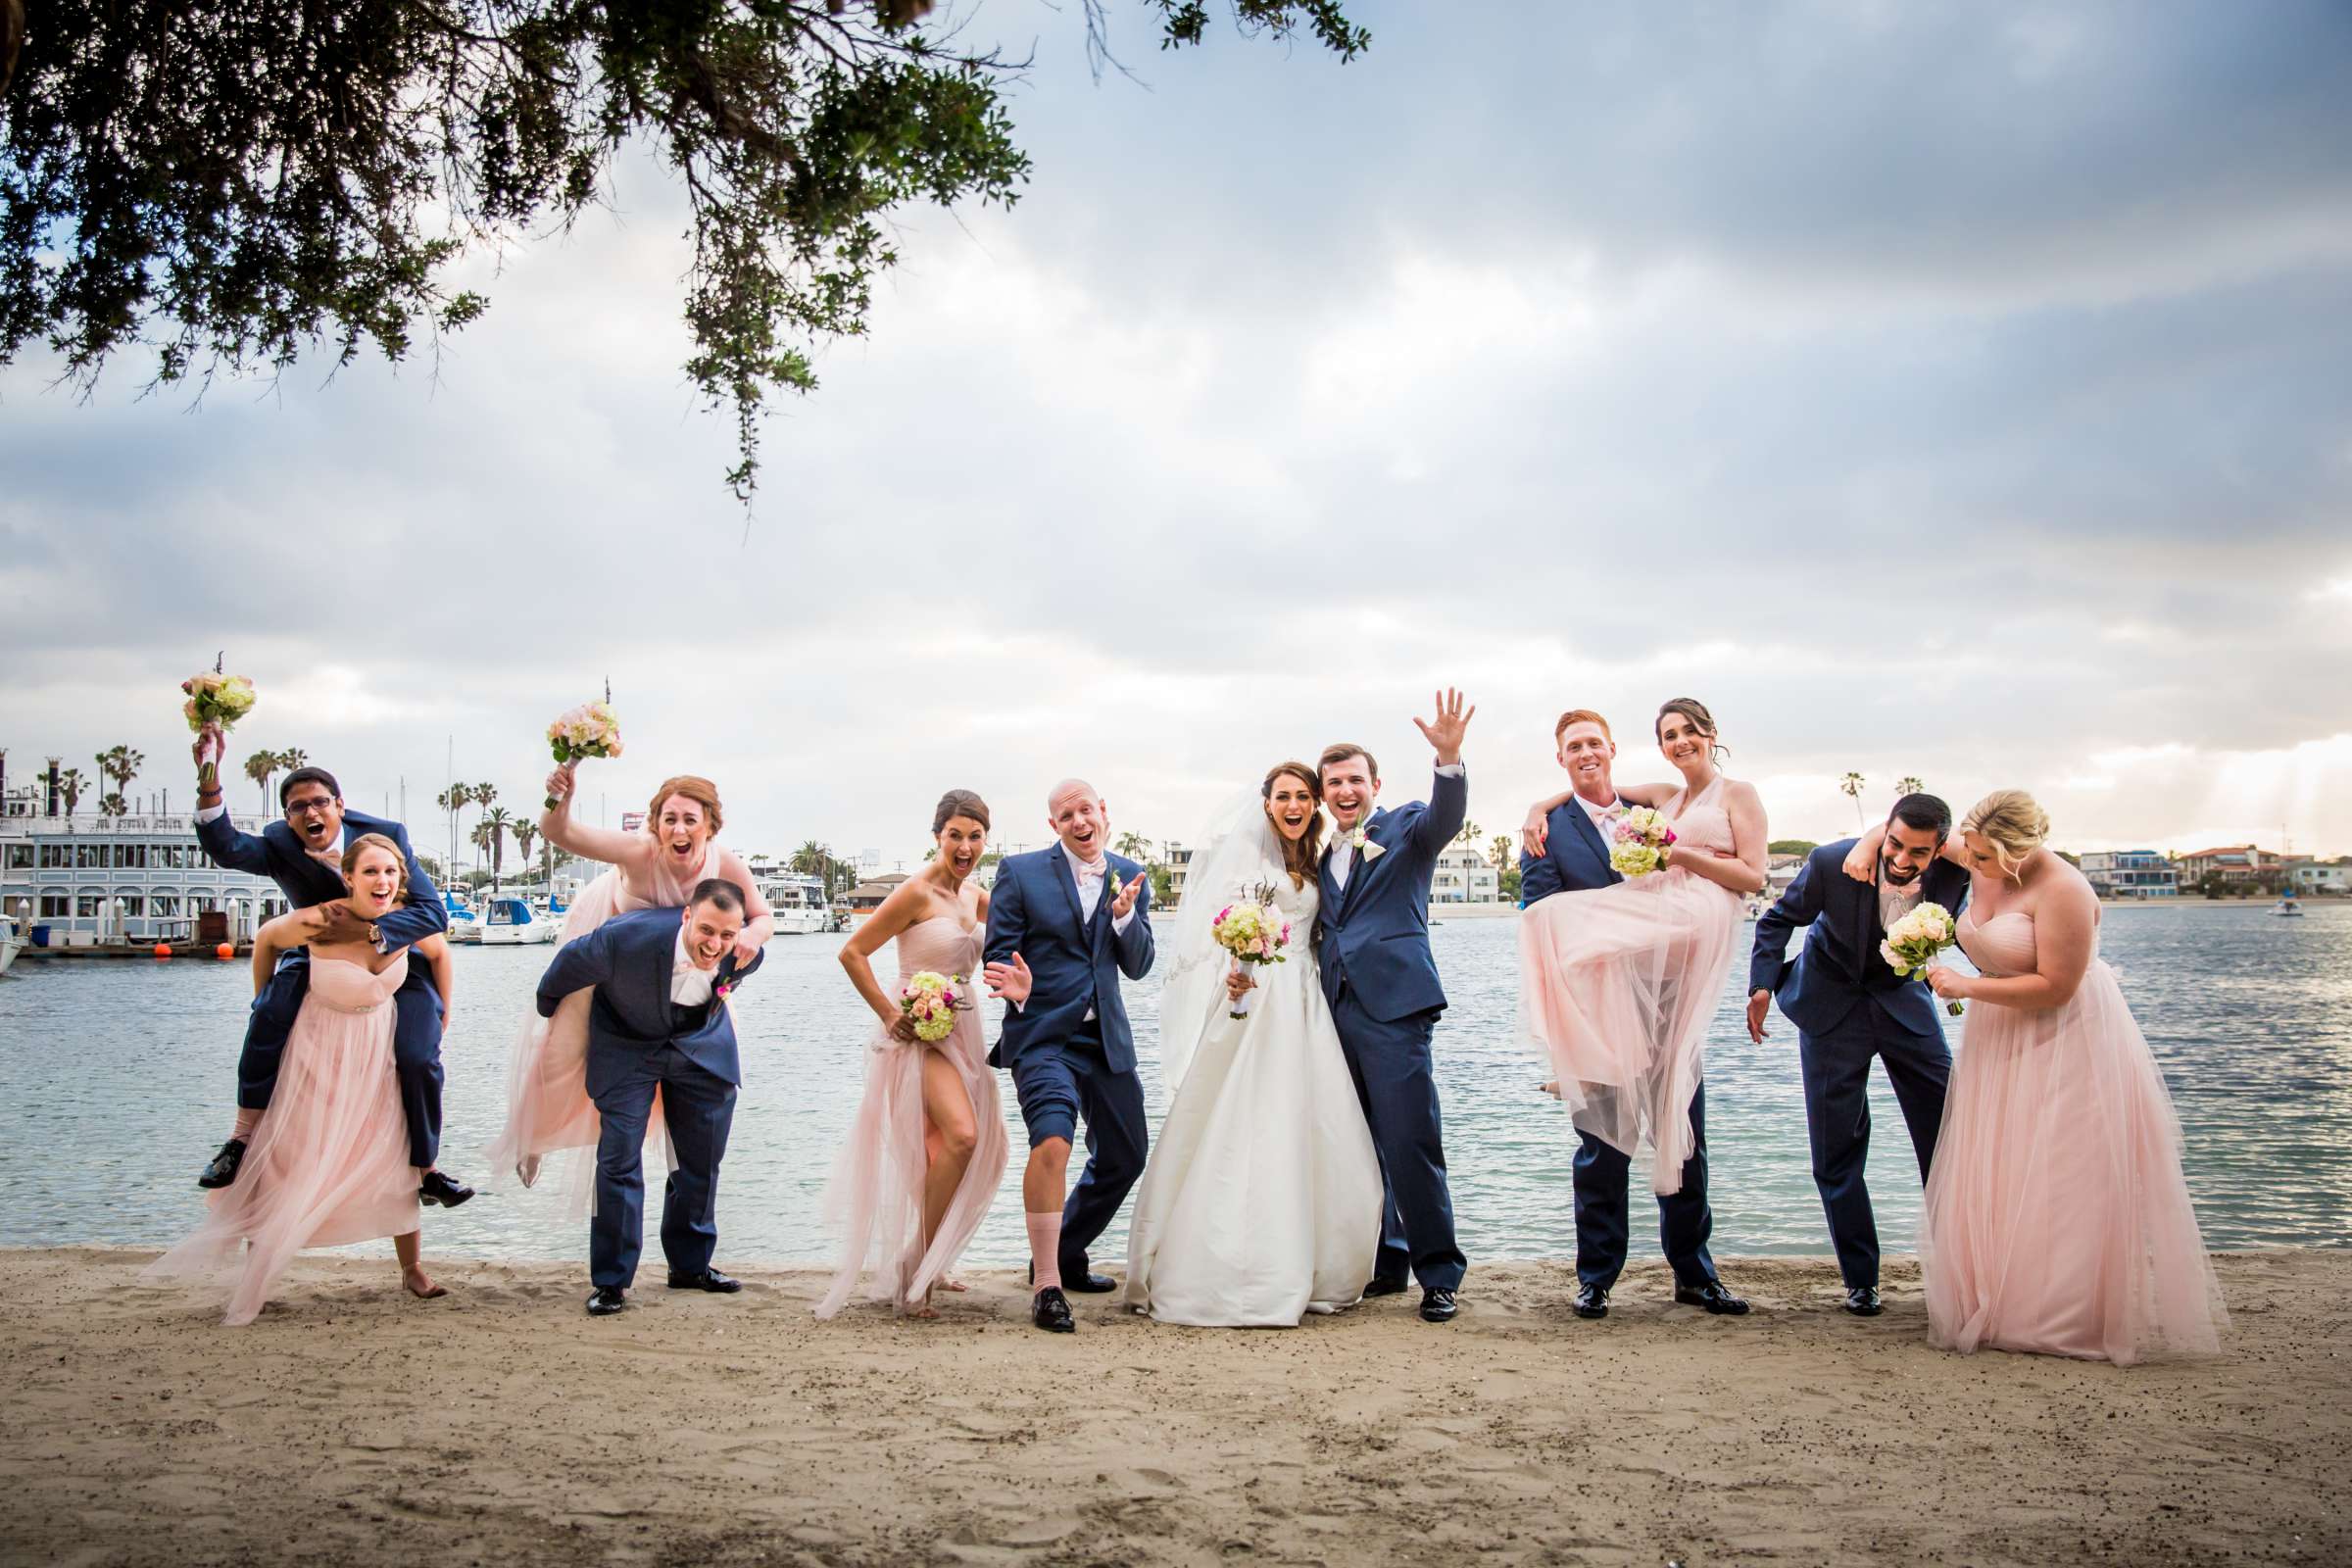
x=310 y=806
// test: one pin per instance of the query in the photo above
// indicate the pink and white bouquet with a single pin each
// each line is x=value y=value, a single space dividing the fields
x=1643 y=838
x=1254 y=931
x=591 y=729
x=1913 y=942
x=216 y=701
x=932 y=1000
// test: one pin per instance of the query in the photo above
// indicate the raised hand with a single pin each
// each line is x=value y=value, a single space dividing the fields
x=1446 y=731
x=210 y=746
x=1008 y=982
x=560 y=783
x=1124 y=904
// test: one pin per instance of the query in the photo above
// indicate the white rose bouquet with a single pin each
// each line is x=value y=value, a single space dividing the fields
x=1913 y=942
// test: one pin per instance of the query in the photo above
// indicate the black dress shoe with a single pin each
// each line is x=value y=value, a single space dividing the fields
x=437 y=1187
x=709 y=1279
x=1088 y=1283
x=1592 y=1301
x=221 y=1169
x=606 y=1299
x=1437 y=1304
x=1385 y=1287
x=1050 y=1311
x=1713 y=1296
x=1863 y=1301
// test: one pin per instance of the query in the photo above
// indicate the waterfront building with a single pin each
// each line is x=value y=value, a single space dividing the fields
x=2239 y=866
x=91 y=878
x=2310 y=877
x=2131 y=874
x=1179 y=863
x=1464 y=875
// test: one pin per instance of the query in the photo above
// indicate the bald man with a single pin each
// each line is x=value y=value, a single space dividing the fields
x=1063 y=924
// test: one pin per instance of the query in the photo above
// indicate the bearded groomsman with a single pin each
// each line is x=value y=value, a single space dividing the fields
x=1849 y=1006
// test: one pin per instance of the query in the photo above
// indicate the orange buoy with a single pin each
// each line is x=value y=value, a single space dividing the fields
x=163 y=949
x=224 y=950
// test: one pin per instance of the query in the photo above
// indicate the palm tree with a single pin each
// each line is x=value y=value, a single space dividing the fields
x=261 y=768
x=122 y=764
x=809 y=859
x=1471 y=833
x=1134 y=846
x=494 y=820
x=71 y=785
x=1505 y=852
x=292 y=757
x=479 y=838
x=112 y=803
x=1850 y=786
x=1910 y=784
x=525 y=830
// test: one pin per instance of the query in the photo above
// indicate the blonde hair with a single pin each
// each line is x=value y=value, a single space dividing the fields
x=376 y=841
x=2012 y=823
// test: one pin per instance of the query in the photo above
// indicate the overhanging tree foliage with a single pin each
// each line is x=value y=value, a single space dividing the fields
x=232 y=185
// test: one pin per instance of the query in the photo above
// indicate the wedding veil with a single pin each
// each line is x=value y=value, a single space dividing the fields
x=1238 y=850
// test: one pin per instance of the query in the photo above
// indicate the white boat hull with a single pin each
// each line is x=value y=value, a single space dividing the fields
x=517 y=936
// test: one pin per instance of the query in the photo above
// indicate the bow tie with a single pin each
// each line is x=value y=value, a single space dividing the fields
x=1095 y=872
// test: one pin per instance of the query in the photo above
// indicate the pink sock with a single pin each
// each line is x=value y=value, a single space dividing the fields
x=1045 y=1249
x=247 y=1121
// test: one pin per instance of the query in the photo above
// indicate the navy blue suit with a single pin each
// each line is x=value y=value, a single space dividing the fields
x=1849 y=1006
x=276 y=853
x=1575 y=858
x=1382 y=983
x=639 y=1040
x=1064 y=1065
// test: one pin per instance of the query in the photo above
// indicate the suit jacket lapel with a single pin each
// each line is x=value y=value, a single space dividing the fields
x=1058 y=861
x=1591 y=837
x=1357 y=871
x=1326 y=884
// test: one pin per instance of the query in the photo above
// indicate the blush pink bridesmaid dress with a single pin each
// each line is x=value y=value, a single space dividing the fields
x=329 y=1160
x=876 y=1195
x=2057 y=1216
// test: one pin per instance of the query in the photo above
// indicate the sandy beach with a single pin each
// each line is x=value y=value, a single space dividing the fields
x=501 y=1425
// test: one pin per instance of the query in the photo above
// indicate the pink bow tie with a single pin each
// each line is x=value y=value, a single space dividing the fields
x=1095 y=872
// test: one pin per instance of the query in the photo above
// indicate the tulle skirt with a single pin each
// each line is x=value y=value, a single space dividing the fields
x=328 y=1163
x=876 y=1195
x=548 y=1109
x=1617 y=986
x=2057 y=1218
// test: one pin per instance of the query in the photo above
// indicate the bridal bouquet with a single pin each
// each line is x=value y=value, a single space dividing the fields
x=932 y=1000
x=215 y=699
x=1643 y=837
x=1913 y=942
x=589 y=730
x=1254 y=931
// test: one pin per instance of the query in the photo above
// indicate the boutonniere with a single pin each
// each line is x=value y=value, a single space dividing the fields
x=718 y=992
x=1360 y=840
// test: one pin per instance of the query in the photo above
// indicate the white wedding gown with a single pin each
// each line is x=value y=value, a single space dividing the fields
x=1260 y=1202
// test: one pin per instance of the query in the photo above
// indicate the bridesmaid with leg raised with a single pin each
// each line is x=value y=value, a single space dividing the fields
x=927 y=1151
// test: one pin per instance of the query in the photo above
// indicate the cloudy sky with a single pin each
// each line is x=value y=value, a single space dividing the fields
x=1955 y=390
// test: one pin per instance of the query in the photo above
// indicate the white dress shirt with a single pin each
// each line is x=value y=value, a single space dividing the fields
x=1091 y=879
x=1604 y=819
x=689 y=987
x=1343 y=850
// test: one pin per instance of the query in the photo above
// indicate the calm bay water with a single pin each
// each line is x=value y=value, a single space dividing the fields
x=116 y=1081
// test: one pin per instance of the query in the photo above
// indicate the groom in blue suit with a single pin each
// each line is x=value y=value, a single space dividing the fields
x=303 y=855
x=1372 y=936
x=1576 y=855
x=1848 y=1006
x=659 y=1020
x=1063 y=924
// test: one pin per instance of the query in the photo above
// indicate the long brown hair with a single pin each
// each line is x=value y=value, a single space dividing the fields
x=1299 y=855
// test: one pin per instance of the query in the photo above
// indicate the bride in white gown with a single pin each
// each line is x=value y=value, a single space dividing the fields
x=1262 y=1198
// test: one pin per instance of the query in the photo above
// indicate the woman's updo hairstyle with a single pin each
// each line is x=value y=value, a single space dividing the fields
x=700 y=791
x=376 y=841
x=955 y=803
x=2012 y=823
x=1691 y=709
